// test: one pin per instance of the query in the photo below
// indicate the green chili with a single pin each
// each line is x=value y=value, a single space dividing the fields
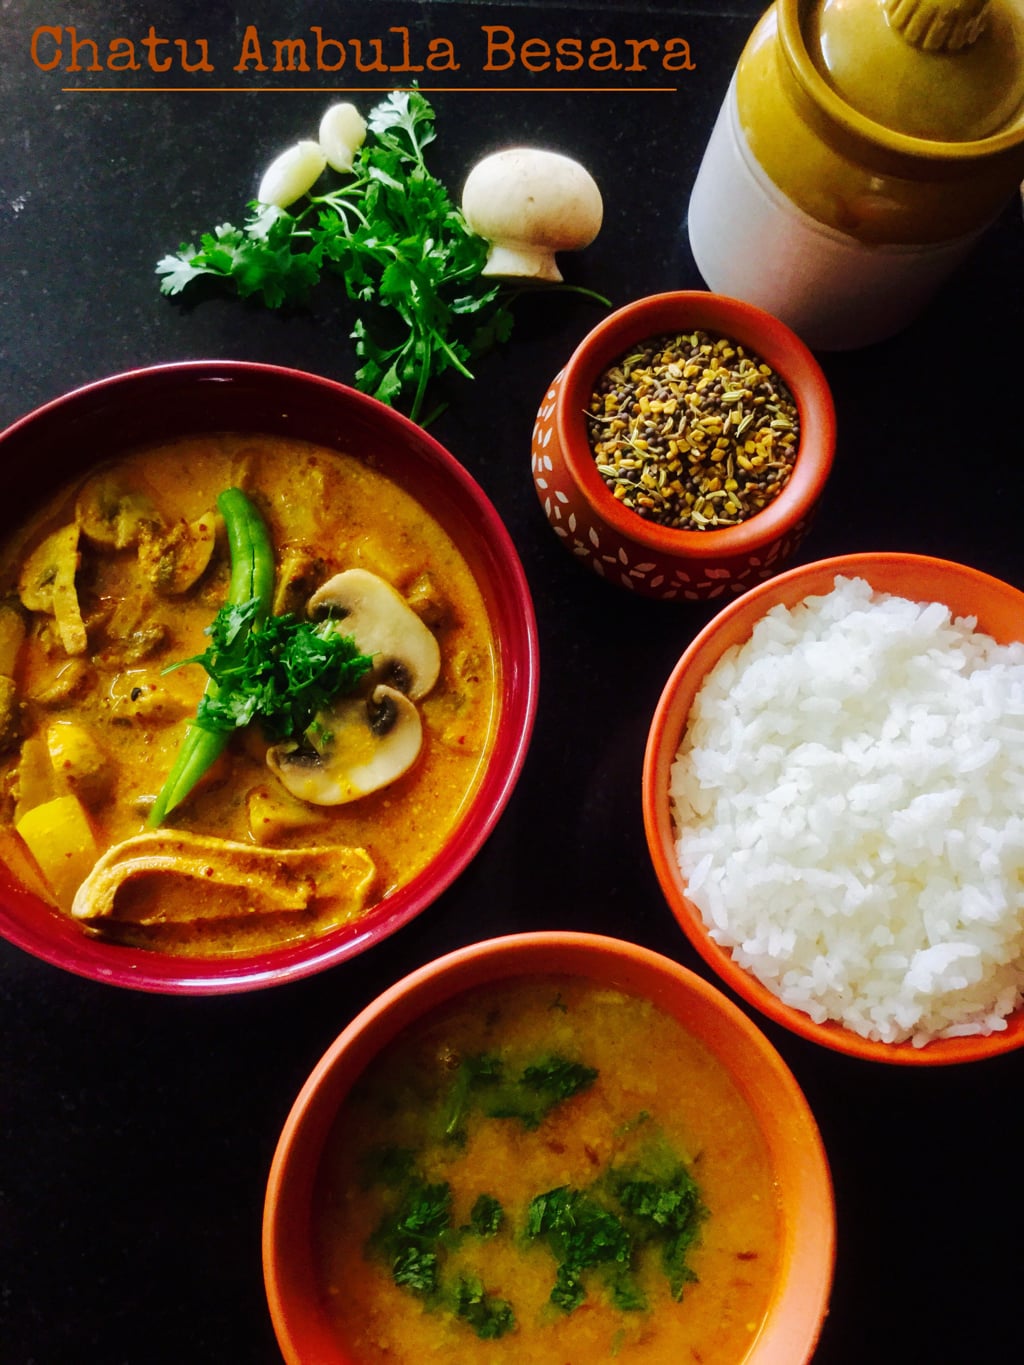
x=252 y=577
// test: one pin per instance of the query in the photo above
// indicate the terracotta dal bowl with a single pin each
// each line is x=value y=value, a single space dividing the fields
x=120 y=413
x=999 y=609
x=799 y=1300
x=618 y=543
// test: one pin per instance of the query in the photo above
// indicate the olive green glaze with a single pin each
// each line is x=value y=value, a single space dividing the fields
x=876 y=159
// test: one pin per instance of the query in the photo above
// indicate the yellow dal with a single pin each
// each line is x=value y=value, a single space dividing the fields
x=647 y=1063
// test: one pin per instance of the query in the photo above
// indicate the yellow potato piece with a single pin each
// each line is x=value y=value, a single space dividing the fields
x=60 y=838
x=80 y=762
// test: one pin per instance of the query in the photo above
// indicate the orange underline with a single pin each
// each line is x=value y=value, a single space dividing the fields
x=366 y=89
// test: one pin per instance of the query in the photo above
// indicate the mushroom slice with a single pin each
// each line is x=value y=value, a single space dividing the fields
x=175 y=562
x=405 y=651
x=362 y=744
x=111 y=515
x=65 y=682
x=180 y=877
x=47 y=583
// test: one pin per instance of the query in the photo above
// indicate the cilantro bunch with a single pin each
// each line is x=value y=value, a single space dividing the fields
x=400 y=247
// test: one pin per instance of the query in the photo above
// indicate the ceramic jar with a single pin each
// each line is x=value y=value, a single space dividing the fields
x=862 y=148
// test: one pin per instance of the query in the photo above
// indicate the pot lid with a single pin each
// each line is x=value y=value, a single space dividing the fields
x=945 y=70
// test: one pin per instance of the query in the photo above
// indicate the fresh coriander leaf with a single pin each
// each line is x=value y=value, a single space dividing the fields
x=581 y=1234
x=404 y=111
x=486 y=1216
x=489 y=1316
x=381 y=174
x=492 y=332
x=473 y=1073
x=282 y=673
x=392 y=237
x=558 y=1078
x=416 y=1269
x=414 y=1240
x=179 y=270
x=664 y=1208
x=409 y=1238
x=675 y=1263
x=568 y=1291
x=625 y=1293
x=540 y=1088
x=483 y=1082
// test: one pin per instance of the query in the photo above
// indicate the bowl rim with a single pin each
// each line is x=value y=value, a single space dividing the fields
x=808 y=1228
x=663 y=739
x=51 y=939
x=774 y=342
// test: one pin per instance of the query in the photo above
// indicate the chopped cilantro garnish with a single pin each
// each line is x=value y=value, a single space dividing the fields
x=528 y=1096
x=415 y=1268
x=556 y=1078
x=640 y=1217
x=489 y=1316
x=281 y=672
x=409 y=1238
x=581 y=1234
x=486 y=1216
x=654 y=1203
x=416 y=1240
x=473 y=1073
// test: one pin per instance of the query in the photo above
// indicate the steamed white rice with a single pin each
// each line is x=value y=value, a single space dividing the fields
x=849 y=800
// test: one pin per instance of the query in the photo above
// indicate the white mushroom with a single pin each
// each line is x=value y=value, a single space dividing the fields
x=292 y=174
x=530 y=203
x=175 y=561
x=342 y=132
x=356 y=747
x=47 y=584
x=405 y=651
x=113 y=516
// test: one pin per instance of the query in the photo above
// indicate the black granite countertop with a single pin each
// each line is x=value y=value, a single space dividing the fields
x=136 y=1131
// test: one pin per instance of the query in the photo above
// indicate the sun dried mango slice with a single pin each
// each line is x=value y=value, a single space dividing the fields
x=189 y=877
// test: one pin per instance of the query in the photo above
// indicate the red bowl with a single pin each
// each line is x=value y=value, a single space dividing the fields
x=999 y=609
x=799 y=1299
x=117 y=414
x=658 y=561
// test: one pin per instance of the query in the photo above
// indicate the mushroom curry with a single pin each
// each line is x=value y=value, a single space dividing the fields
x=247 y=686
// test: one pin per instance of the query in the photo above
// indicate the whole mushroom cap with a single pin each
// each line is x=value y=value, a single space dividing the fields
x=530 y=203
